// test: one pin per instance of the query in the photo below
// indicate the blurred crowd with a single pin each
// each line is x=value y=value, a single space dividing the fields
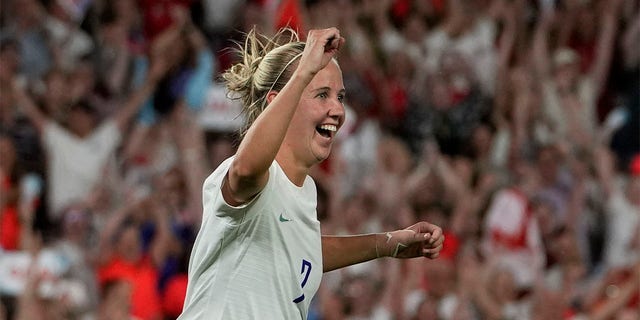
x=512 y=124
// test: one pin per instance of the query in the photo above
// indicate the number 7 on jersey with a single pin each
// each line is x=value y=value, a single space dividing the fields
x=306 y=265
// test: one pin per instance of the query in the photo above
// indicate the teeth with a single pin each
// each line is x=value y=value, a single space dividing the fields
x=329 y=127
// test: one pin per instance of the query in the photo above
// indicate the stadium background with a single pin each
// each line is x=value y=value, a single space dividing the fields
x=512 y=124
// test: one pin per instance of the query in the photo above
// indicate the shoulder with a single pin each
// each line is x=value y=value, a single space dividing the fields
x=108 y=127
x=221 y=171
x=53 y=133
x=279 y=193
x=217 y=176
x=212 y=189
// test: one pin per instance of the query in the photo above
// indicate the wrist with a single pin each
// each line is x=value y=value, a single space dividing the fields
x=305 y=76
x=377 y=242
x=382 y=244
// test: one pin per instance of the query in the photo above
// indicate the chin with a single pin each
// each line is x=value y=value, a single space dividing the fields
x=319 y=151
x=321 y=156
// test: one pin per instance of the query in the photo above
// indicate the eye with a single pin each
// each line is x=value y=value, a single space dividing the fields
x=341 y=98
x=322 y=95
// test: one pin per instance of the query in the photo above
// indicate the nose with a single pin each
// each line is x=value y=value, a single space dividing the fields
x=336 y=111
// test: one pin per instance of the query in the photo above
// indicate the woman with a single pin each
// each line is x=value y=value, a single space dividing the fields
x=259 y=253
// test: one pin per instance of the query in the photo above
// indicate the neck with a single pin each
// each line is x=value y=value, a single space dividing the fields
x=294 y=170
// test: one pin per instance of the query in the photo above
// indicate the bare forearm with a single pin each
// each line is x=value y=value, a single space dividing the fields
x=117 y=75
x=196 y=38
x=161 y=244
x=604 y=51
x=259 y=147
x=195 y=169
x=631 y=52
x=541 y=49
x=604 y=169
x=567 y=27
x=451 y=180
x=422 y=239
x=31 y=110
x=342 y=251
x=507 y=41
x=134 y=103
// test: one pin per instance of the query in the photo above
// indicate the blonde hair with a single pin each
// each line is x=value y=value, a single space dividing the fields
x=266 y=64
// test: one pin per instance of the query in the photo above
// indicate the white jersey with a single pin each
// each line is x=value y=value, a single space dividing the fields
x=260 y=260
x=76 y=165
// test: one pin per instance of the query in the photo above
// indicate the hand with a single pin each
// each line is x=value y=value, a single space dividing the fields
x=321 y=47
x=180 y=15
x=419 y=240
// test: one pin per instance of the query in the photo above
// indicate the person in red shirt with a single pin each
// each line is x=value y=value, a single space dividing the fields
x=158 y=15
x=129 y=264
x=9 y=221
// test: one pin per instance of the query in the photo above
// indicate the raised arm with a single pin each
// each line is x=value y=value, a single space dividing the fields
x=541 y=45
x=31 y=110
x=508 y=14
x=190 y=139
x=605 y=45
x=184 y=26
x=419 y=240
x=630 y=48
x=248 y=173
x=605 y=169
x=569 y=19
x=135 y=101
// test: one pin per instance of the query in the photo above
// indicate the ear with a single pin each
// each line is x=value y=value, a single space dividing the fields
x=271 y=95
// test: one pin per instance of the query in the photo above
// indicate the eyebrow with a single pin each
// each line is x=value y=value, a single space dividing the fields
x=342 y=91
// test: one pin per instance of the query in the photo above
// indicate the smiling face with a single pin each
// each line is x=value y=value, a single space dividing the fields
x=319 y=115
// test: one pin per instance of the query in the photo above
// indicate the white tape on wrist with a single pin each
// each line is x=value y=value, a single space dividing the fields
x=399 y=245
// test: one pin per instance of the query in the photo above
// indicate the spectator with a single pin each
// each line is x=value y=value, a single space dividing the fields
x=490 y=97
x=468 y=32
x=511 y=233
x=570 y=99
x=10 y=224
x=27 y=26
x=623 y=208
x=71 y=178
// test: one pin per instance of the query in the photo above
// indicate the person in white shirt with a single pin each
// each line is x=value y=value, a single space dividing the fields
x=78 y=153
x=259 y=253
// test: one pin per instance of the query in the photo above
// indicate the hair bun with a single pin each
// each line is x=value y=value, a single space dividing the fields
x=262 y=62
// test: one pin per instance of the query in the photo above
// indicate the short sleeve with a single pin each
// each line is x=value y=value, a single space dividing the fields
x=214 y=202
x=55 y=137
x=107 y=135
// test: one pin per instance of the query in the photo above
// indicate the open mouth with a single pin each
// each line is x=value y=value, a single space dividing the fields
x=327 y=130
